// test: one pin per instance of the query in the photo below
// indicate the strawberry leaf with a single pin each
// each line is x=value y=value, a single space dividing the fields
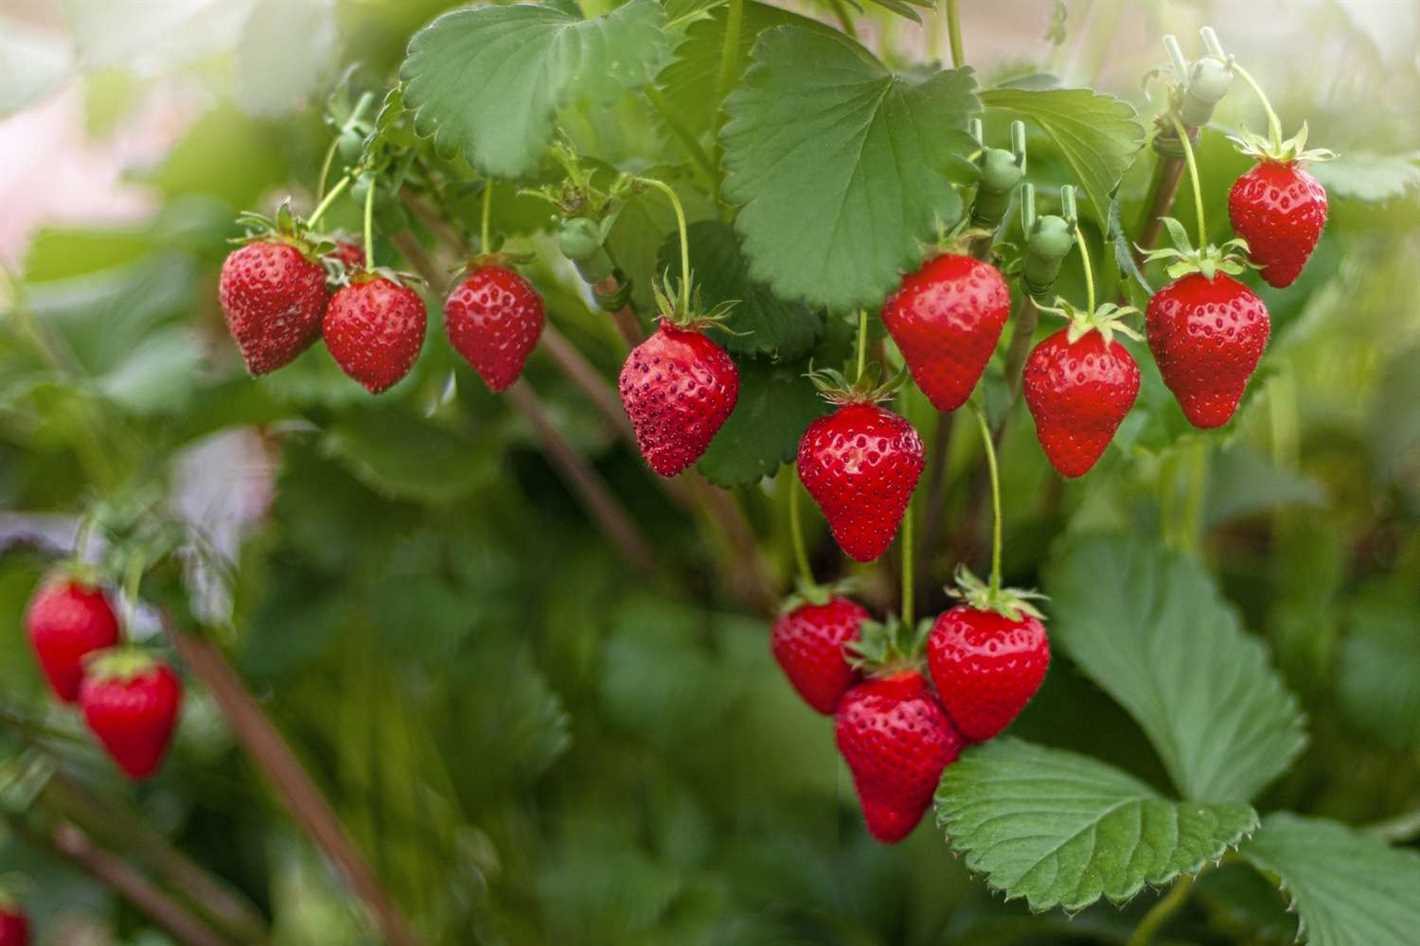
x=490 y=80
x=841 y=167
x=1149 y=626
x=1063 y=830
x=776 y=404
x=1348 y=889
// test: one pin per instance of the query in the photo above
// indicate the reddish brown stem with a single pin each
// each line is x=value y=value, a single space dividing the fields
x=304 y=801
x=585 y=376
x=1168 y=174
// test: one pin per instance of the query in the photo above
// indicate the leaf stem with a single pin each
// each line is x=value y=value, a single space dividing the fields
x=954 y=34
x=1274 y=124
x=355 y=116
x=1085 y=264
x=327 y=200
x=907 y=583
x=1187 y=146
x=990 y=447
x=862 y=343
x=1160 y=912
x=796 y=531
x=674 y=198
x=370 y=225
x=485 y=228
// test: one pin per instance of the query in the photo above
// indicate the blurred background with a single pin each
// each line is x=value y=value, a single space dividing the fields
x=532 y=743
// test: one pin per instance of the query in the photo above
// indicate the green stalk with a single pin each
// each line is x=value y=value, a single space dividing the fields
x=954 y=34
x=796 y=532
x=485 y=226
x=370 y=225
x=1274 y=124
x=674 y=198
x=1159 y=914
x=862 y=343
x=990 y=447
x=1193 y=177
x=1085 y=264
x=329 y=199
x=907 y=584
x=350 y=122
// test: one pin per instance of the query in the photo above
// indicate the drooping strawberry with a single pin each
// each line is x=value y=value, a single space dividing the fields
x=893 y=734
x=273 y=295
x=808 y=642
x=131 y=704
x=946 y=319
x=494 y=318
x=374 y=328
x=987 y=656
x=860 y=464
x=67 y=620
x=1079 y=385
x=678 y=388
x=14 y=924
x=1207 y=330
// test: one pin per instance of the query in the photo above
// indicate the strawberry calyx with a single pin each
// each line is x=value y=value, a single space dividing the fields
x=889 y=647
x=285 y=227
x=1010 y=603
x=121 y=664
x=1105 y=319
x=396 y=276
x=1275 y=149
x=834 y=386
x=1210 y=260
x=75 y=571
x=813 y=593
x=693 y=316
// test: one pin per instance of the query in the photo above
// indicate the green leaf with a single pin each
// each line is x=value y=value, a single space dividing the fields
x=841 y=167
x=489 y=80
x=159 y=375
x=1368 y=177
x=1348 y=889
x=1098 y=135
x=759 y=323
x=1149 y=626
x=776 y=403
x=1379 y=683
x=401 y=456
x=1243 y=482
x=1062 y=829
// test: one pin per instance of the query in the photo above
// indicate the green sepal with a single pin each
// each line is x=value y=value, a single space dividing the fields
x=1291 y=150
x=121 y=663
x=1105 y=319
x=1010 y=603
x=1209 y=260
x=670 y=308
x=811 y=592
x=837 y=389
x=887 y=647
x=76 y=571
x=397 y=276
x=284 y=227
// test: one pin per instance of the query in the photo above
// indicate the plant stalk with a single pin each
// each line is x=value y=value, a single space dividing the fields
x=954 y=33
x=1160 y=912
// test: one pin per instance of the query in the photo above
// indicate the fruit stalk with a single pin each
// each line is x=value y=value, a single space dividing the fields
x=989 y=446
x=796 y=532
x=954 y=34
x=370 y=225
x=1160 y=912
x=674 y=199
x=485 y=226
x=1193 y=179
x=355 y=115
x=327 y=200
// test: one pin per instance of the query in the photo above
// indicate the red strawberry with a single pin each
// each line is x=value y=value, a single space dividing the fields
x=374 y=328
x=1280 y=210
x=861 y=464
x=350 y=254
x=808 y=643
x=131 y=704
x=1207 y=336
x=678 y=388
x=14 y=927
x=896 y=740
x=272 y=296
x=68 y=620
x=1079 y=384
x=946 y=319
x=494 y=319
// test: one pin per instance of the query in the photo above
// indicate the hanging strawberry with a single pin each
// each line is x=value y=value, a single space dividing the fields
x=810 y=640
x=131 y=704
x=67 y=619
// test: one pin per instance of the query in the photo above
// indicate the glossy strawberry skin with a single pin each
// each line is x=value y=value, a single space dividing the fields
x=946 y=319
x=808 y=641
x=1078 y=393
x=66 y=621
x=494 y=318
x=134 y=718
x=273 y=298
x=896 y=740
x=374 y=328
x=678 y=388
x=986 y=667
x=351 y=255
x=1280 y=210
x=14 y=928
x=861 y=464
x=1207 y=337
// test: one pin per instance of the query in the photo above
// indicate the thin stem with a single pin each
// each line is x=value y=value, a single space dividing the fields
x=990 y=448
x=1193 y=177
x=862 y=343
x=845 y=21
x=1160 y=912
x=907 y=584
x=329 y=199
x=485 y=227
x=1192 y=523
x=1274 y=124
x=674 y=198
x=796 y=532
x=1163 y=188
x=1085 y=264
x=954 y=34
x=370 y=225
x=355 y=116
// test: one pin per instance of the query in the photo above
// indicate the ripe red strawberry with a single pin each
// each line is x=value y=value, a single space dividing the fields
x=14 y=926
x=808 y=643
x=67 y=620
x=374 y=328
x=494 y=318
x=1079 y=384
x=896 y=740
x=350 y=254
x=946 y=319
x=1280 y=210
x=131 y=704
x=272 y=296
x=1207 y=336
x=678 y=388
x=861 y=464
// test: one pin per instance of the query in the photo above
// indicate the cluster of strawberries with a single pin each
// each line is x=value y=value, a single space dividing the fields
x=130 y=701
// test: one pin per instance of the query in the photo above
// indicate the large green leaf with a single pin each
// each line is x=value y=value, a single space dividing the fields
x=1098 y=135
x=759 y=322
x=1348 y=889
x=404 y=457
x=1149 y=626
x=1369 y=177
x=841 y=167
x=1063 y=830
x=489 y=80
x=776 y=403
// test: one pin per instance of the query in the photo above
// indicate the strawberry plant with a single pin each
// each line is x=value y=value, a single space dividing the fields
x=405 y=522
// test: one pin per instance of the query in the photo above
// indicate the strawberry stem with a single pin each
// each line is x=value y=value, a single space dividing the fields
x=674 y=198
x=907 y=585
x=350 y=123
x=862 y=343
x=1192 y=176
x=1085 y=264
x=329 y=199
x=954 y=34
x=1274 y=124
x=485 y=227
x=370 y=225
x=796 y=531
x=990 y=448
